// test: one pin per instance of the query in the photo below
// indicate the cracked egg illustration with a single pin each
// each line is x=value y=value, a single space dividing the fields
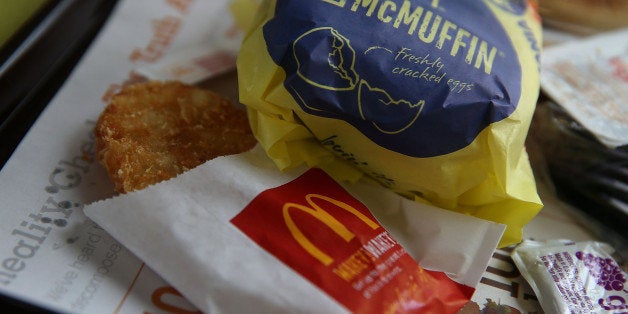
x=325 y=59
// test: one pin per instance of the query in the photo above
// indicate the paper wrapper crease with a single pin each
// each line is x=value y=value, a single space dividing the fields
x=421 y=97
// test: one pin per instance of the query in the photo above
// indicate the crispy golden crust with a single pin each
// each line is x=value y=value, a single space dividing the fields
x=154 y=131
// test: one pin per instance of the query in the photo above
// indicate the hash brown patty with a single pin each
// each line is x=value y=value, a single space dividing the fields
x=153 y=131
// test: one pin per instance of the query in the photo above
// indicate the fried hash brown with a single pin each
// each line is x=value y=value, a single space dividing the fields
x=153 y=131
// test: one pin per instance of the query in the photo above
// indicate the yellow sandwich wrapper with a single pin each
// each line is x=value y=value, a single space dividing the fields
x=431 y=99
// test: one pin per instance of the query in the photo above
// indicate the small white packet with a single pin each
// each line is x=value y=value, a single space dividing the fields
x=588 y=77
x=211 y=235
x=570 y=277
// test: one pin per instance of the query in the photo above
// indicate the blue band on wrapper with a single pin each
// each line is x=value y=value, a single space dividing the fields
x=401 y=72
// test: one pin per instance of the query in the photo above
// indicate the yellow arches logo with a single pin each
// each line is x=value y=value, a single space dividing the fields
x=324 y=217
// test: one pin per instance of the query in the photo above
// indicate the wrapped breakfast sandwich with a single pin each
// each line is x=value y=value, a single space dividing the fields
x=432 y=99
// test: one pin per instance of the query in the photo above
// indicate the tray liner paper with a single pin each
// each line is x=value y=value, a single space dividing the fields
x=235 y=234
x=432 y=99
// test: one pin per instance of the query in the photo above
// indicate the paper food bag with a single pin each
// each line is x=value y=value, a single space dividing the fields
x=235 y=235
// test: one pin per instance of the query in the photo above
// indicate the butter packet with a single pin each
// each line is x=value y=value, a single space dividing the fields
x=431 y=99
